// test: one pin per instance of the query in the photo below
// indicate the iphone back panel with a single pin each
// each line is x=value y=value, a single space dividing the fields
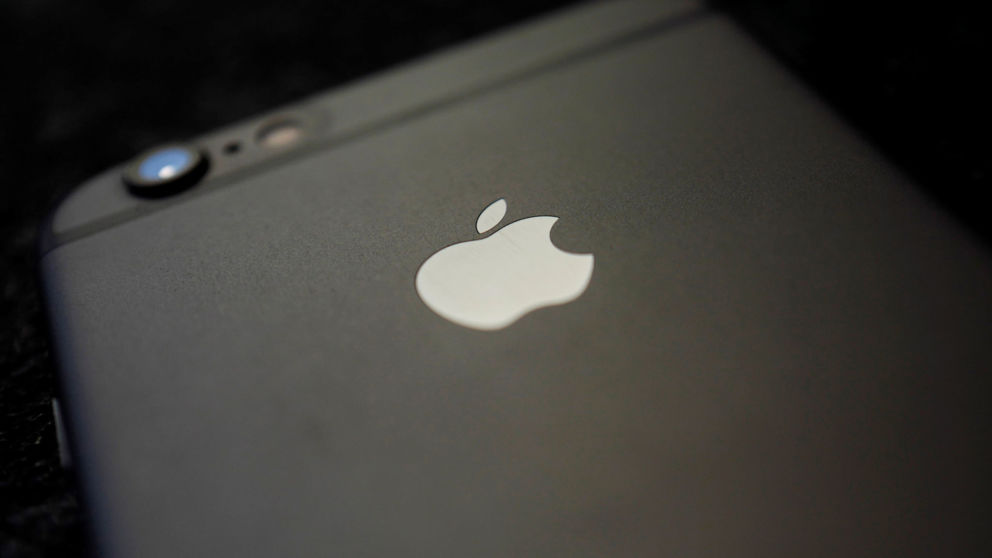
x=781 y=347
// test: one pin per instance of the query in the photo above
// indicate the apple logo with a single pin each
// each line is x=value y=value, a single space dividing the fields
x=490 y=283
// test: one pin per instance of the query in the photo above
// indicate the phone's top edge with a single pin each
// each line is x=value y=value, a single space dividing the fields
x=506 y=51
x=391 y=94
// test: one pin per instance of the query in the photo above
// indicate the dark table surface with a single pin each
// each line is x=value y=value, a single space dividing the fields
x=86 y=85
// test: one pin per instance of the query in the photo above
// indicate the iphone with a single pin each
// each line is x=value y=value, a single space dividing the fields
x=609 y=283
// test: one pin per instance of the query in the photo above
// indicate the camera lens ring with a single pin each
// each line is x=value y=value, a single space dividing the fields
x=165 y=170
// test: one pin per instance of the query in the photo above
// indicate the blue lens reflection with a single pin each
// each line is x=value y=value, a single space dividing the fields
x=166 y=163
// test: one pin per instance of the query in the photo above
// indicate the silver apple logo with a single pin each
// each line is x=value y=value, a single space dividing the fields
x=490 y=283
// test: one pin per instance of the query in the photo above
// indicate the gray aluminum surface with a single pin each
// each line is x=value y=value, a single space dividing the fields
x=783 y=350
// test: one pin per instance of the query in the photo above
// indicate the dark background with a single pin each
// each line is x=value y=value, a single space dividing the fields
x=85 y=86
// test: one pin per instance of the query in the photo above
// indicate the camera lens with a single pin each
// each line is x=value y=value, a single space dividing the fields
x=165 y=171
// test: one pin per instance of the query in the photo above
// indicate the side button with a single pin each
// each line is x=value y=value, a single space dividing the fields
x=64 y=457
